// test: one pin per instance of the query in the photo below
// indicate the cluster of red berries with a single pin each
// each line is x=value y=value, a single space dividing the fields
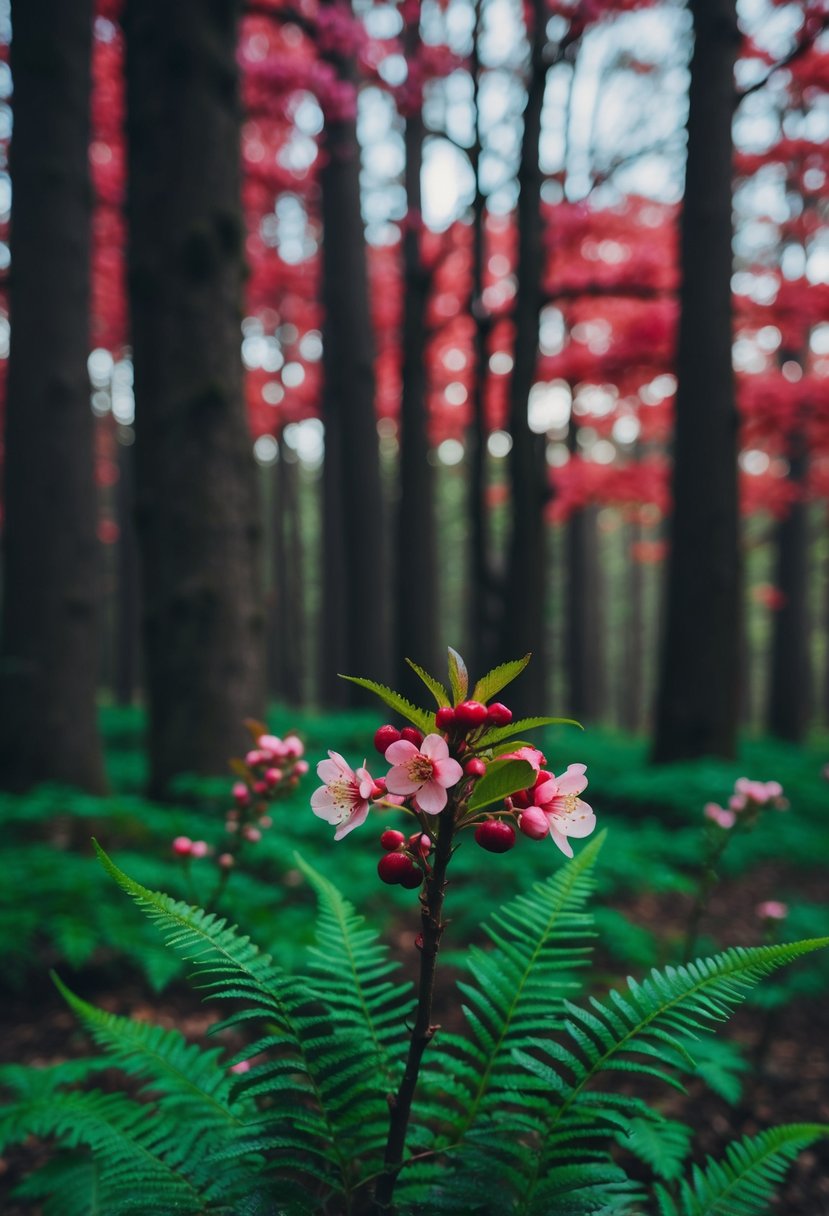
x=386 y=735
x=470 y=715
x=397 y=866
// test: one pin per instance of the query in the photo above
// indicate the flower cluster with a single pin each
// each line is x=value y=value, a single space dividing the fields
x=746 y=803
x=269 y=770
x=439 y=774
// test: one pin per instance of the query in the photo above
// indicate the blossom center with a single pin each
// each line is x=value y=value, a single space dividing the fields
x=420 y=768
x=344 y=792
x=567 y=804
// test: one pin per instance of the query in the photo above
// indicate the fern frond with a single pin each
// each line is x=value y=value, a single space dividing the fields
x=663 y=1144
x=656 y=1019
x=351 y=972
x=318 y=1107
x=540 y=941
x=742 y=1183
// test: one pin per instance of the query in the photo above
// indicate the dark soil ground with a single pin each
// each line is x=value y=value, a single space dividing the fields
x=788 y=1051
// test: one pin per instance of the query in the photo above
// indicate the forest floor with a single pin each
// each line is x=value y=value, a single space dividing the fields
x=787 y=1050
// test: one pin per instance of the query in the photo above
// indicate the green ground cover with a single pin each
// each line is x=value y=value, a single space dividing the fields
x=57 y=906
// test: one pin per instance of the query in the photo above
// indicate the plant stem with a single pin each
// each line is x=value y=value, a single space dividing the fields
x=708 y=880
x=400 y=1104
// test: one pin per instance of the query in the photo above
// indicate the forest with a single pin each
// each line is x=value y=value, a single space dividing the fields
x=379 y=378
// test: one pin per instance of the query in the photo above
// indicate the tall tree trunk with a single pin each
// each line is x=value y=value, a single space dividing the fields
x=198 y=516
x=630 y=698
x=482 y=609
x=584 y=652
x=416 y=633
x=524 y=619
x=127 y=594
x=353 y=590
x=697 y=704
x=50 y=639
x=789 y=687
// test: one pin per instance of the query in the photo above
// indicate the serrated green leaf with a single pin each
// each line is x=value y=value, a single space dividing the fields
x=421 y=718
x=435 y=687
x=515 y=728
x=499 y=678
x=458 y=676
x=502 y=778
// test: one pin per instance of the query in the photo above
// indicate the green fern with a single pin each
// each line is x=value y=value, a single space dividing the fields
x=509 y=1118
x=744 y=1181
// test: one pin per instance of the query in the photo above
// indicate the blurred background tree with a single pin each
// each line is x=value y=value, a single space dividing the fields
x=465 y=318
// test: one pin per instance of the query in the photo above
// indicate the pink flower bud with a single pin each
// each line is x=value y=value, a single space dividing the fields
x=301 y=768
x=293 y=746
x=270 y=743
x=474 y=767
x=533 y=823
x=226 y=860
x=241 y=793
x=242 y=1066
x=266 y=821
x=231 y=825
x=182 y=846
x=252 y=834
x=772 y=909
x=260 y=788
x=273 y=776
x=253 y=758
x=199 y=848
x=717 y=814
x=737 y=802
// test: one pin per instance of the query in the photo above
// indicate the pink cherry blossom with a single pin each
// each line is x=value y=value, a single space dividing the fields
x=772 y=909
x=719 y=815
x=531 y=754
x=427 y=772
x=343 y=800
x=567 y=815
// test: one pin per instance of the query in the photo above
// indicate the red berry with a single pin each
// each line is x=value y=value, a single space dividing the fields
x=445 y=717
x=498 y=714
x=411 y=735
x=474 y=768
x=384 y=737
x=392 y=867
x=391 y=839
x=495 y=836
x=412 y=879
x=471 y=713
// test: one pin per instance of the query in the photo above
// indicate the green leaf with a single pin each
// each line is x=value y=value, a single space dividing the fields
x=743 y=1181
x=458 y=676
x=498 y=678
x=516 y=728
x=663 y=1144
x=435 y=687
x=502 y=778
x=421 y=718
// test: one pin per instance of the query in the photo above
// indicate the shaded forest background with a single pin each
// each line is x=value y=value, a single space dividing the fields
x=399 y=329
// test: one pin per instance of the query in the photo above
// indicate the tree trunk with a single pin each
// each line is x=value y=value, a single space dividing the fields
x=416 y=633
x=197 y=507
x=353 y=586
x=789 y=687
x=50 y=628
x=697 y=703
x=630 y=698
x=524 y=619
x=127 y=595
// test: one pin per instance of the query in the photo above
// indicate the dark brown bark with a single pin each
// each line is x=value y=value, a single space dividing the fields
x=127 y=589
x=524 y=620
x=353 y=587
x=697 y=704
x=416 y=626
x=789 y=686
x=630 y=693
x=50 y=629
x=198 y=517
x=482 y=607
x=583 y=649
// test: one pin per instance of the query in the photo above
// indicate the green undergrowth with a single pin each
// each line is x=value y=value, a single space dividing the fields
x=56 y=906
